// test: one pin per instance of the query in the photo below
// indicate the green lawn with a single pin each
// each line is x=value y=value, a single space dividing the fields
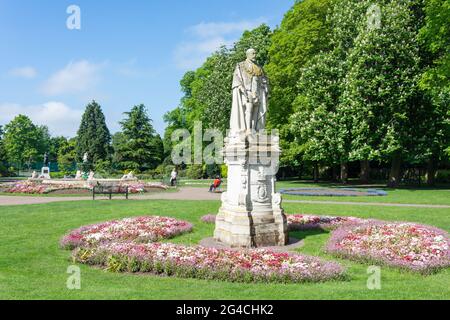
x=414 y=195
x=33 y=267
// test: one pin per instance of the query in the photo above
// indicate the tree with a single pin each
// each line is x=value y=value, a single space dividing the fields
x=317 y=124
x=21 y=141
x=67 y=155
x=93 y=135
x=2 y=147
x=138 y=147
x=434 y=38
x=303 y=33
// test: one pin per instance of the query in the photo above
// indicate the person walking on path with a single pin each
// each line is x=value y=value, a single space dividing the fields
x=173 y=177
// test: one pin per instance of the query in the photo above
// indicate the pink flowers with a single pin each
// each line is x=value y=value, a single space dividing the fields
x=406 y=245
x=305 y=221
x=32 y=187
x=209 y=263
x=139 y=230
x=129 y=245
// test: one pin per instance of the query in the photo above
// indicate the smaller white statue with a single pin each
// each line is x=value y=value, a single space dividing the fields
x=78 y=176
x=129 y=176
x=91 y=175
x=34 y=175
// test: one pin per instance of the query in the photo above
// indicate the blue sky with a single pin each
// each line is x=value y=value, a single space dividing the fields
x=126 y=53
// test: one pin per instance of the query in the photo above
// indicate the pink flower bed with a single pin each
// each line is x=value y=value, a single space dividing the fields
x=32 y=187
x=209 y=263
x=406 y=245
x=306 y=221
x=140 y=230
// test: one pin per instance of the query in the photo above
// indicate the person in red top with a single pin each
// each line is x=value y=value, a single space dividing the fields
x=215 y=184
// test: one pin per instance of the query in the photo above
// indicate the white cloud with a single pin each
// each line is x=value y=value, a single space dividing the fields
x=205 y=38
x=76 y=77
x=23 y=72
x=60 y=118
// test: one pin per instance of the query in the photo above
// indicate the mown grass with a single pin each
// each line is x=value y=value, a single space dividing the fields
x=32 y=266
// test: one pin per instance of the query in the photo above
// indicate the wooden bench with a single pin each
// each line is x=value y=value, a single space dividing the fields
x=109 y=190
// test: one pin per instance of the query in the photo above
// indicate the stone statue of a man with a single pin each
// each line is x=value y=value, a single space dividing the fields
x=250 y=96
x=46 y=159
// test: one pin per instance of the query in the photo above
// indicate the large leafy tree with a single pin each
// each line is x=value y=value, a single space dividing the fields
x=138 y=147
x=67 y=155
x=303 y=33
x=2 y=148
x=384 y=69
x=22 y=141
x=434 y=38
x=93 y=135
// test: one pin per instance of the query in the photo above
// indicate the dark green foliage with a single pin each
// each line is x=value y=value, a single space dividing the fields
x=93 y=135
x=137 y=147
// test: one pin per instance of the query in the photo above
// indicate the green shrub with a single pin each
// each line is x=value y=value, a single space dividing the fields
x=194 y=171
x=443 y=176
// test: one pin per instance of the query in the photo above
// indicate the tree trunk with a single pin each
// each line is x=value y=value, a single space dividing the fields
x=316 y=172
x=365 y=171
x=344 y=172
x=431 y=170
x=335 y=174
x=394 y=175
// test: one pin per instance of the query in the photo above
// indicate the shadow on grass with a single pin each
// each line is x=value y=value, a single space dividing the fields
x=301 y=235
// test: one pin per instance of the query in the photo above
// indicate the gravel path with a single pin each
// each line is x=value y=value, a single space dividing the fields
x=192 y=193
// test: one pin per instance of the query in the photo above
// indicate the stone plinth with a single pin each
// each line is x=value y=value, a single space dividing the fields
x=45 y=173
x=251 y=213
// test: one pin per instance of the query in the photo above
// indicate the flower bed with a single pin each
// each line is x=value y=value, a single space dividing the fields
x=306 y=222
x=406 y=245
x=32 y=187
x=298 y=222
x=209 y=263
x=140 y=230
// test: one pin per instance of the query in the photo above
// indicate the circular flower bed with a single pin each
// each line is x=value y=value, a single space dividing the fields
x=209 y=263
x=306 y=222
x=406 y=245
x=140 y=230
x=298 y=222
x=333 y=192
x=129 y=245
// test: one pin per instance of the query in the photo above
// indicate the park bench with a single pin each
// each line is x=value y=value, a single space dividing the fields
x=109 y=190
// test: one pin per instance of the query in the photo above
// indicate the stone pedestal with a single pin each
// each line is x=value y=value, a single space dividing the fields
x=251 y=214
x=45 y=173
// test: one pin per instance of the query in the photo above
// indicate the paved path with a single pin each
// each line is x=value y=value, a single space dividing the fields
x=192 y=193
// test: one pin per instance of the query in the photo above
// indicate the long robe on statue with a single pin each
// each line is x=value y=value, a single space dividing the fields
x=249 y=81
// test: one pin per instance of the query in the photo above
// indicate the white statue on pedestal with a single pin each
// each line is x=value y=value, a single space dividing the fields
x=251 y=214
x=250 y=96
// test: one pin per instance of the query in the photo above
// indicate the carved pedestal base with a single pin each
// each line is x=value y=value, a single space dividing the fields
x=251 y=213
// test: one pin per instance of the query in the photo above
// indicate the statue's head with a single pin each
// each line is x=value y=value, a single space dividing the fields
x=251 y=54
